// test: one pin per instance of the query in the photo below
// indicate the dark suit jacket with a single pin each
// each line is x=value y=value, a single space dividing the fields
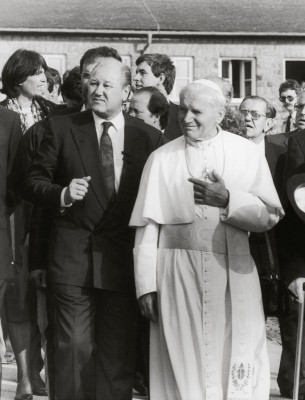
x=91 y=243
x=10 y=136
x=275 y=152
x=173 y=130
x=293 y=228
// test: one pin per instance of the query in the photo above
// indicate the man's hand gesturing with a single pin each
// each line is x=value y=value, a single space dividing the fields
x=77 y=190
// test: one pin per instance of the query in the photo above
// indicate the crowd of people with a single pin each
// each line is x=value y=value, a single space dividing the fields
x=136 y=234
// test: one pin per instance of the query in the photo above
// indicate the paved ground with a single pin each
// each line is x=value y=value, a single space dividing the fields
x=274 y=349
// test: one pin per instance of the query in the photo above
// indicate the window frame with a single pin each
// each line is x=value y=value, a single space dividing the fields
x=290 y=59
x=174 y=95
x=238 y=100
x=62 y=56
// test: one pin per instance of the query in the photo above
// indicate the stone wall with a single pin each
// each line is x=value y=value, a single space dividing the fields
x=269 y=53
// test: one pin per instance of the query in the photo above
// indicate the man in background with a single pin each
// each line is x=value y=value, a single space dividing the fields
x=293 y=255
x=288 y=92
x=55 y=96
x=150 y=105
x=158 y=70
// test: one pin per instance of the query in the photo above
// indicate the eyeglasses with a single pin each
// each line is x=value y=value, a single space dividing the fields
x=254 y=114
x=289 y=98
x=299 y=107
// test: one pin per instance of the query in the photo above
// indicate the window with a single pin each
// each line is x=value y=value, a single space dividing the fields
x=56 y=61
x=241 y=74
x=184 y=75
x=295 y=69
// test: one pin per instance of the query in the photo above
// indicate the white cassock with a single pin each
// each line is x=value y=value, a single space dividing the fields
x=209 y=342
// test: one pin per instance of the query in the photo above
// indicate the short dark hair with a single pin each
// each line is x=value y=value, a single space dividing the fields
x=160 y=64
x=50 y=80
x=20 y=65
x=157 y=104
x=102 y=51
x=56 y=77
x=71 y=87
x=269 y=108
x=289 y=84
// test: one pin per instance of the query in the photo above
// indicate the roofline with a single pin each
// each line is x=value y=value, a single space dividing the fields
x=145 y=32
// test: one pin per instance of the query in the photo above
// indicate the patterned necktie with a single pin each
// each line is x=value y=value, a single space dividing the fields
x=106 y=154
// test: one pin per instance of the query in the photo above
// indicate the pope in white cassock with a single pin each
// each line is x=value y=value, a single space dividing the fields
x=199 y=197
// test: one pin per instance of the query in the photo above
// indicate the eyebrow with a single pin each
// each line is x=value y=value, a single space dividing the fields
x=141 y=70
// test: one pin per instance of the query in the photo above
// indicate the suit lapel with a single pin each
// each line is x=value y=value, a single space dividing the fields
x=270 y=156
x=84 y=133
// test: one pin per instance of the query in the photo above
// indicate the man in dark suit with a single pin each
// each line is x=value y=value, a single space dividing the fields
x=88 y=166
x=288 y=93
x=259 y=116
x=292 y=256
x=287 y=236
x=158 y=70
x=293 y=253
x=10 y=136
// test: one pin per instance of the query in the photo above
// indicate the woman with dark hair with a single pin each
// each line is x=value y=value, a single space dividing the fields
x=23 y=79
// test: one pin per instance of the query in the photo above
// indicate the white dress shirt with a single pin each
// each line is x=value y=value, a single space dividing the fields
x=116 y=134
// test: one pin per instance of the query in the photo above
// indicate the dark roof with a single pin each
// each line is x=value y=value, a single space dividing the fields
x=210 y=16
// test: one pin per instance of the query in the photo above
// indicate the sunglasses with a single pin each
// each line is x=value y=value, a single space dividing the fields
x=283 y=98
x=254 y=114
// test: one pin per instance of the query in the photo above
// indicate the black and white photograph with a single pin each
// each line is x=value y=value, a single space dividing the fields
x=152 y=199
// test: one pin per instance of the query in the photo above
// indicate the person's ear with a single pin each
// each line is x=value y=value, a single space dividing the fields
x=162 y=78
x=157 y=118
x=220 y=115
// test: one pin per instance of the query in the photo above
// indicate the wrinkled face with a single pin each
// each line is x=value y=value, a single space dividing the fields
x=144 y=77
x=198 y=117
x=33 y=85
x=255 y=122
x=300 y=116
x=290 y=98
x=85 y=76
x=139 y=108
x=105 y=88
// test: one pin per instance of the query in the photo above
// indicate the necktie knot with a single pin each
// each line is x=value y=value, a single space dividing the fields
x=106 y=126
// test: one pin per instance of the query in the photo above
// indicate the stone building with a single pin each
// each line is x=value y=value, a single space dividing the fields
x=256 y=44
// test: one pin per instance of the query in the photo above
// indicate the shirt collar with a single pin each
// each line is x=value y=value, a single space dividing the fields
x=200 y=141
x=118 y=121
